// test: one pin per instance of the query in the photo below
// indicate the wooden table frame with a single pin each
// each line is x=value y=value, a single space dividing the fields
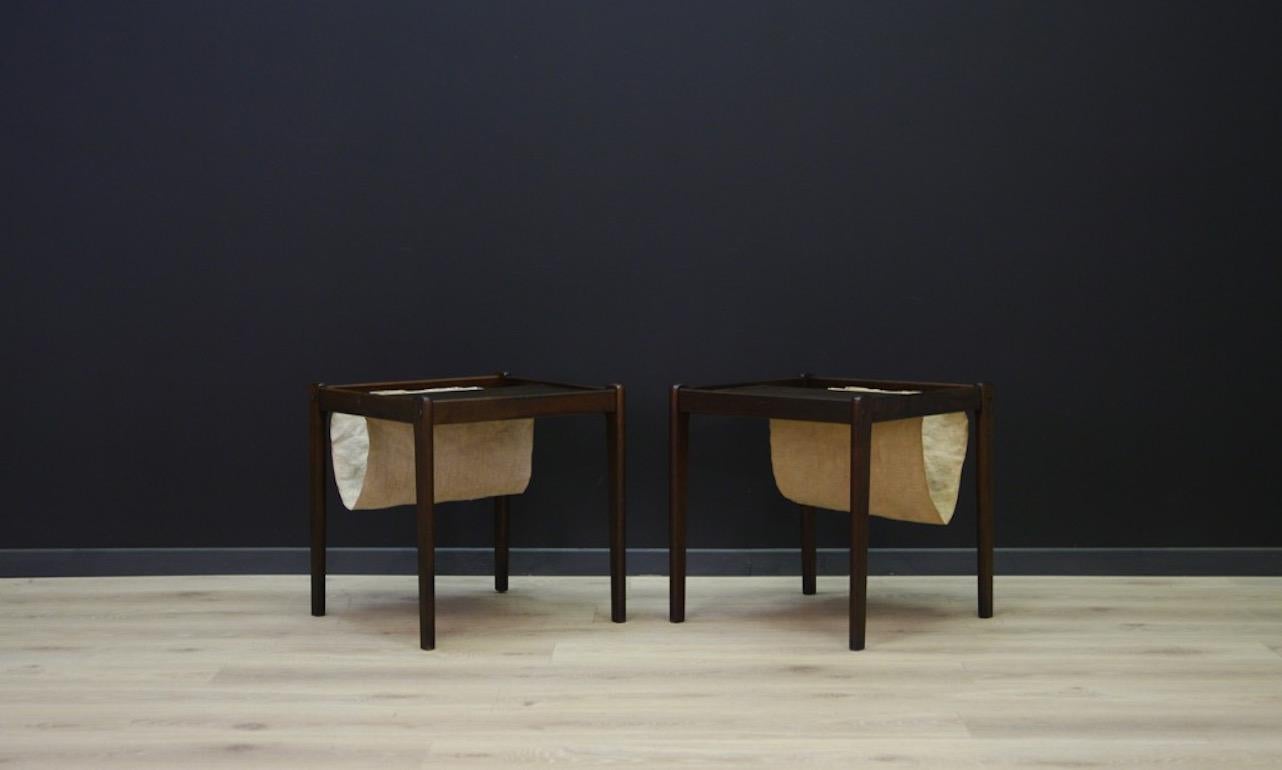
x=503 y=397
x=782 y=399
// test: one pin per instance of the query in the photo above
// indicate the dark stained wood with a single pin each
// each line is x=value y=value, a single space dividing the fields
x=797 y=381
x=984 y=490
x=802 y=402
x=860 y=462
x=616 y=441
x=438 y=382
x=829 y=382
x=808 y=550
x=513 y=399
x=317 y=446
x=333 y=399
x=501 y=506
x=567 y=385
x=740 y=403
x=425 y=508
x=502 y=397
x=885 y=408
x=807 y=397
x=809 y=554
x=503 y=406
x=678 y=448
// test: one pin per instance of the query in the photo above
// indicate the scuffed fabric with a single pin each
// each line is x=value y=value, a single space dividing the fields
x=915 y=465
x=374 y=458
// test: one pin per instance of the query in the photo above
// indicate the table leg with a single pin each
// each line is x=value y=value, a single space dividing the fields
x=808 y=552
x=860 y=456
x=318 y=442
x=501 y=505
x=984 y=507
x=615 y=440
x=679 y=440
x=425 y=492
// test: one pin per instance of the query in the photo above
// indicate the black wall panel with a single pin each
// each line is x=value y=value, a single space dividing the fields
x=206 y=205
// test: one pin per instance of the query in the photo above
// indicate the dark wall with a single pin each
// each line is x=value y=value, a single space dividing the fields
x=206 y=205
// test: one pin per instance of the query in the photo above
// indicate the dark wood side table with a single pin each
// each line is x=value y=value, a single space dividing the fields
x=810 y=398
x=501 y=397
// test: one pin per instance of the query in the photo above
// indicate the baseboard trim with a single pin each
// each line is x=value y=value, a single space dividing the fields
x=91 y=562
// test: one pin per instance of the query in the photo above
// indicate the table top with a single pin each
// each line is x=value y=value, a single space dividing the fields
x=467 y=399
x=499 y=390
x=827 y=399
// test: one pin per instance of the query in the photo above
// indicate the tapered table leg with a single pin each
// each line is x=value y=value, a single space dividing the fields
x=984 y=507
x=425 y=492
x=501 y=504
x=860 y=457
x=808 y=554
x=318 y=443
x=615 y=440
x=678 y=444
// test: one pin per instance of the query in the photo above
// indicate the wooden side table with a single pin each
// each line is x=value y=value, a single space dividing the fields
x=496 y=397
x=816 y=399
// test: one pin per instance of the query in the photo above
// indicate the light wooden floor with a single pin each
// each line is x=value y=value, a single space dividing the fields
x=233 y=672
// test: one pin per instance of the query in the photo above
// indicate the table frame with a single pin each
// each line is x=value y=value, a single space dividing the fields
x=424 y=411
x=860 y=411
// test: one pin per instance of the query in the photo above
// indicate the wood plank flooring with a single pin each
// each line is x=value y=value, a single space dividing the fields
x=191 y=672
